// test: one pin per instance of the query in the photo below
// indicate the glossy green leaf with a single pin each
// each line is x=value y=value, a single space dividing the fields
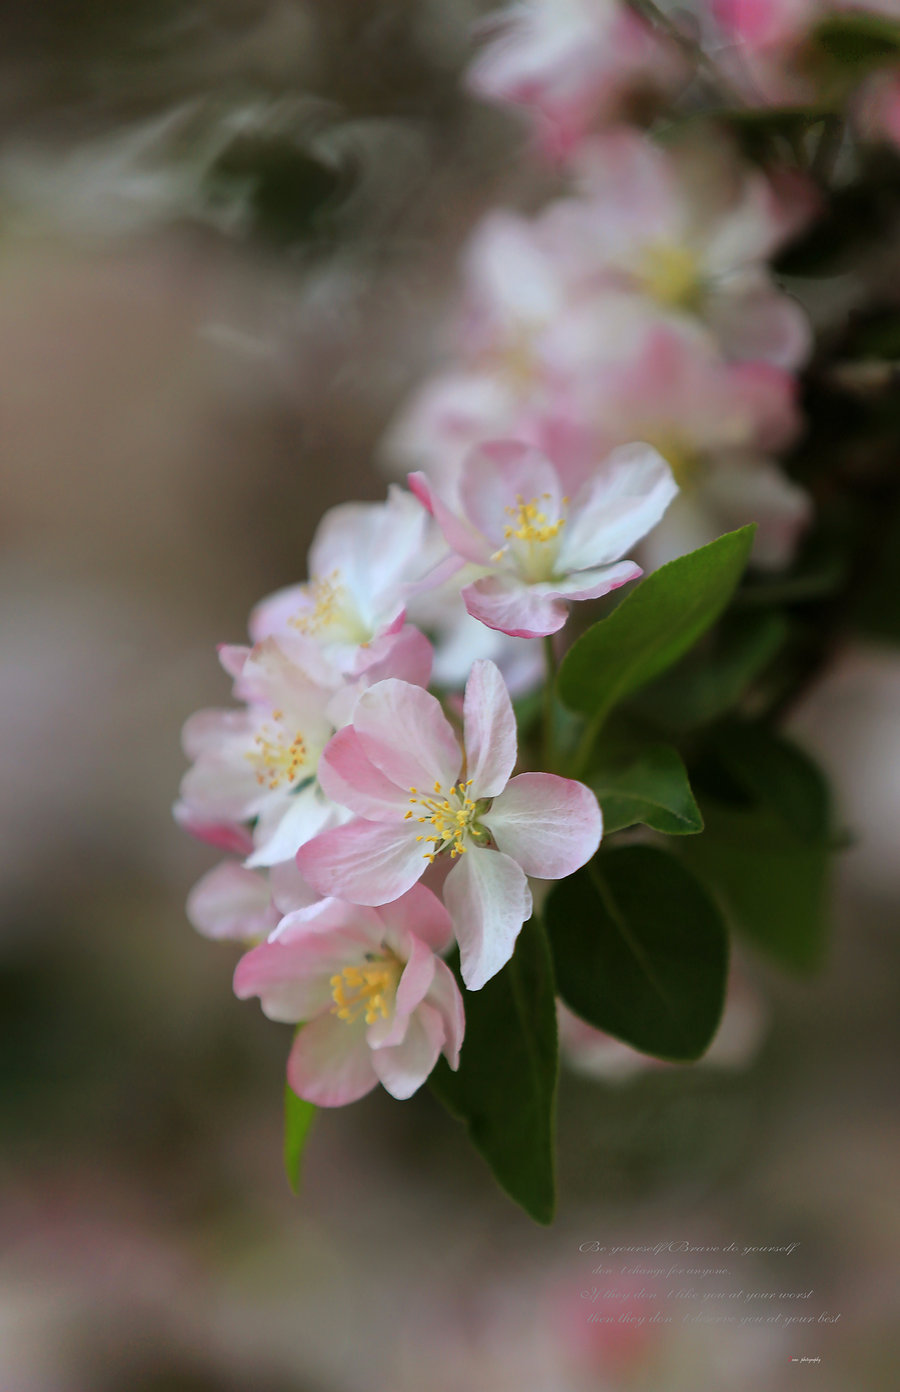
x=652 y=790
x=641 y=951
x=298 y=1116
x=653 y=627
x=505 y=1088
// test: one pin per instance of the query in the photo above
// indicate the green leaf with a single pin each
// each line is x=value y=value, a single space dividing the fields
x=641 y=951
x=653 y=627
x=858 y=40
x=774 y=887
x=298 y=1116
x=711 y=679
x=653 y=790
x=505 y=1088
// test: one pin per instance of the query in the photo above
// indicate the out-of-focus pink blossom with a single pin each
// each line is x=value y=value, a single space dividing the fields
x=691 y=229
x=539 y=549
x=572 y=64
x=378 y=1004
x=417 y=793
x=877 y=108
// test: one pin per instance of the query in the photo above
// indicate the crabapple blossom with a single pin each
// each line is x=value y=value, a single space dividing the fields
x=572 y=63
x=363 y=558
x=417 y=793
x=378 y=1003
x=690 y=229
x=539 y=548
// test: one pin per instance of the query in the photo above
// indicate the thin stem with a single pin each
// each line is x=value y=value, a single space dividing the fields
x=549 y=703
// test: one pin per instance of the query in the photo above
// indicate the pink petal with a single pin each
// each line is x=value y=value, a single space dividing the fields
x=510 y=605
x=330 y=1063
x=209 y=731
x=232 y=902
x=591 y=584
x=292 y=979
x=225 y=836
x=349 y=777
x=626 y=497
x=405 y=733
x=445 y=995
x=489 y=900
x=289 y=889
x=459 y=536
x=420 y=914
x=404 y=1068
x=365 y=862
x=551 y=826
x=272 y=616
x=490 y=730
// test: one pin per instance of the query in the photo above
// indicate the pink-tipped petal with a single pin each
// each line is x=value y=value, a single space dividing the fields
x=225 y=836
x=509 y=605
x=551 y=826
x=232 y=902
x=490 y=730
x=364 y=862
x=422 y=915
x=403 y=1068
x=462 y=539
x=349 y=777
x=330 y=1063
x=626 y=497
x=446 y=996
x=406 y=735
x=489 y=900
x=412 y=988
x=292 y=978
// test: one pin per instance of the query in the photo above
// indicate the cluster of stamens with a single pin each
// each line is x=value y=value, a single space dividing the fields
x=364 y=990
x=670 y=274
x=276 y=758
x=326 y=595
x=449 y=814
x=529 y=523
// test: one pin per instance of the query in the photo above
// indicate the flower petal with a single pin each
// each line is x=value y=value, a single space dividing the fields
x=506 y=603
x=421 y=914
x=489 y=900
x=286 y=823
x=330 y=1063
x=624 y=499
x=549 y=825
x=365 y=862
x=405 y=734
x=232 y=902
x=445 y=995
x=403 y=1068
x=412 y=988
x=490 y=730
x=348 y=776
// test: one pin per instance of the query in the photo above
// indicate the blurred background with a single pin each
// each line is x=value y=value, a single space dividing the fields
x=228 y=232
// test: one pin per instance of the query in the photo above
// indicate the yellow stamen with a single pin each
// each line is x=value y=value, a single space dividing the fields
x=367 y=989
x=450 y=816
x=277 y=757
x=529 y=523
x=670 y=275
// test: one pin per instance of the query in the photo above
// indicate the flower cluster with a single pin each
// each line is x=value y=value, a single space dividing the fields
x=339 y=781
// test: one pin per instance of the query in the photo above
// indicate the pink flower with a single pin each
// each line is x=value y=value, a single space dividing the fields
x=379 y=1005
x=363 y=558
x=572 y=63
x=417 y=794
x=540 y=548
x=691 y=228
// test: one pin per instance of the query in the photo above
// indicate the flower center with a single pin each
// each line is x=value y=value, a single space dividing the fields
x=450 y=816
x=330 y=613
x=670 y=275
x=530 y=535
x=681 y=457
x=276 y=756
x=366 y=989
